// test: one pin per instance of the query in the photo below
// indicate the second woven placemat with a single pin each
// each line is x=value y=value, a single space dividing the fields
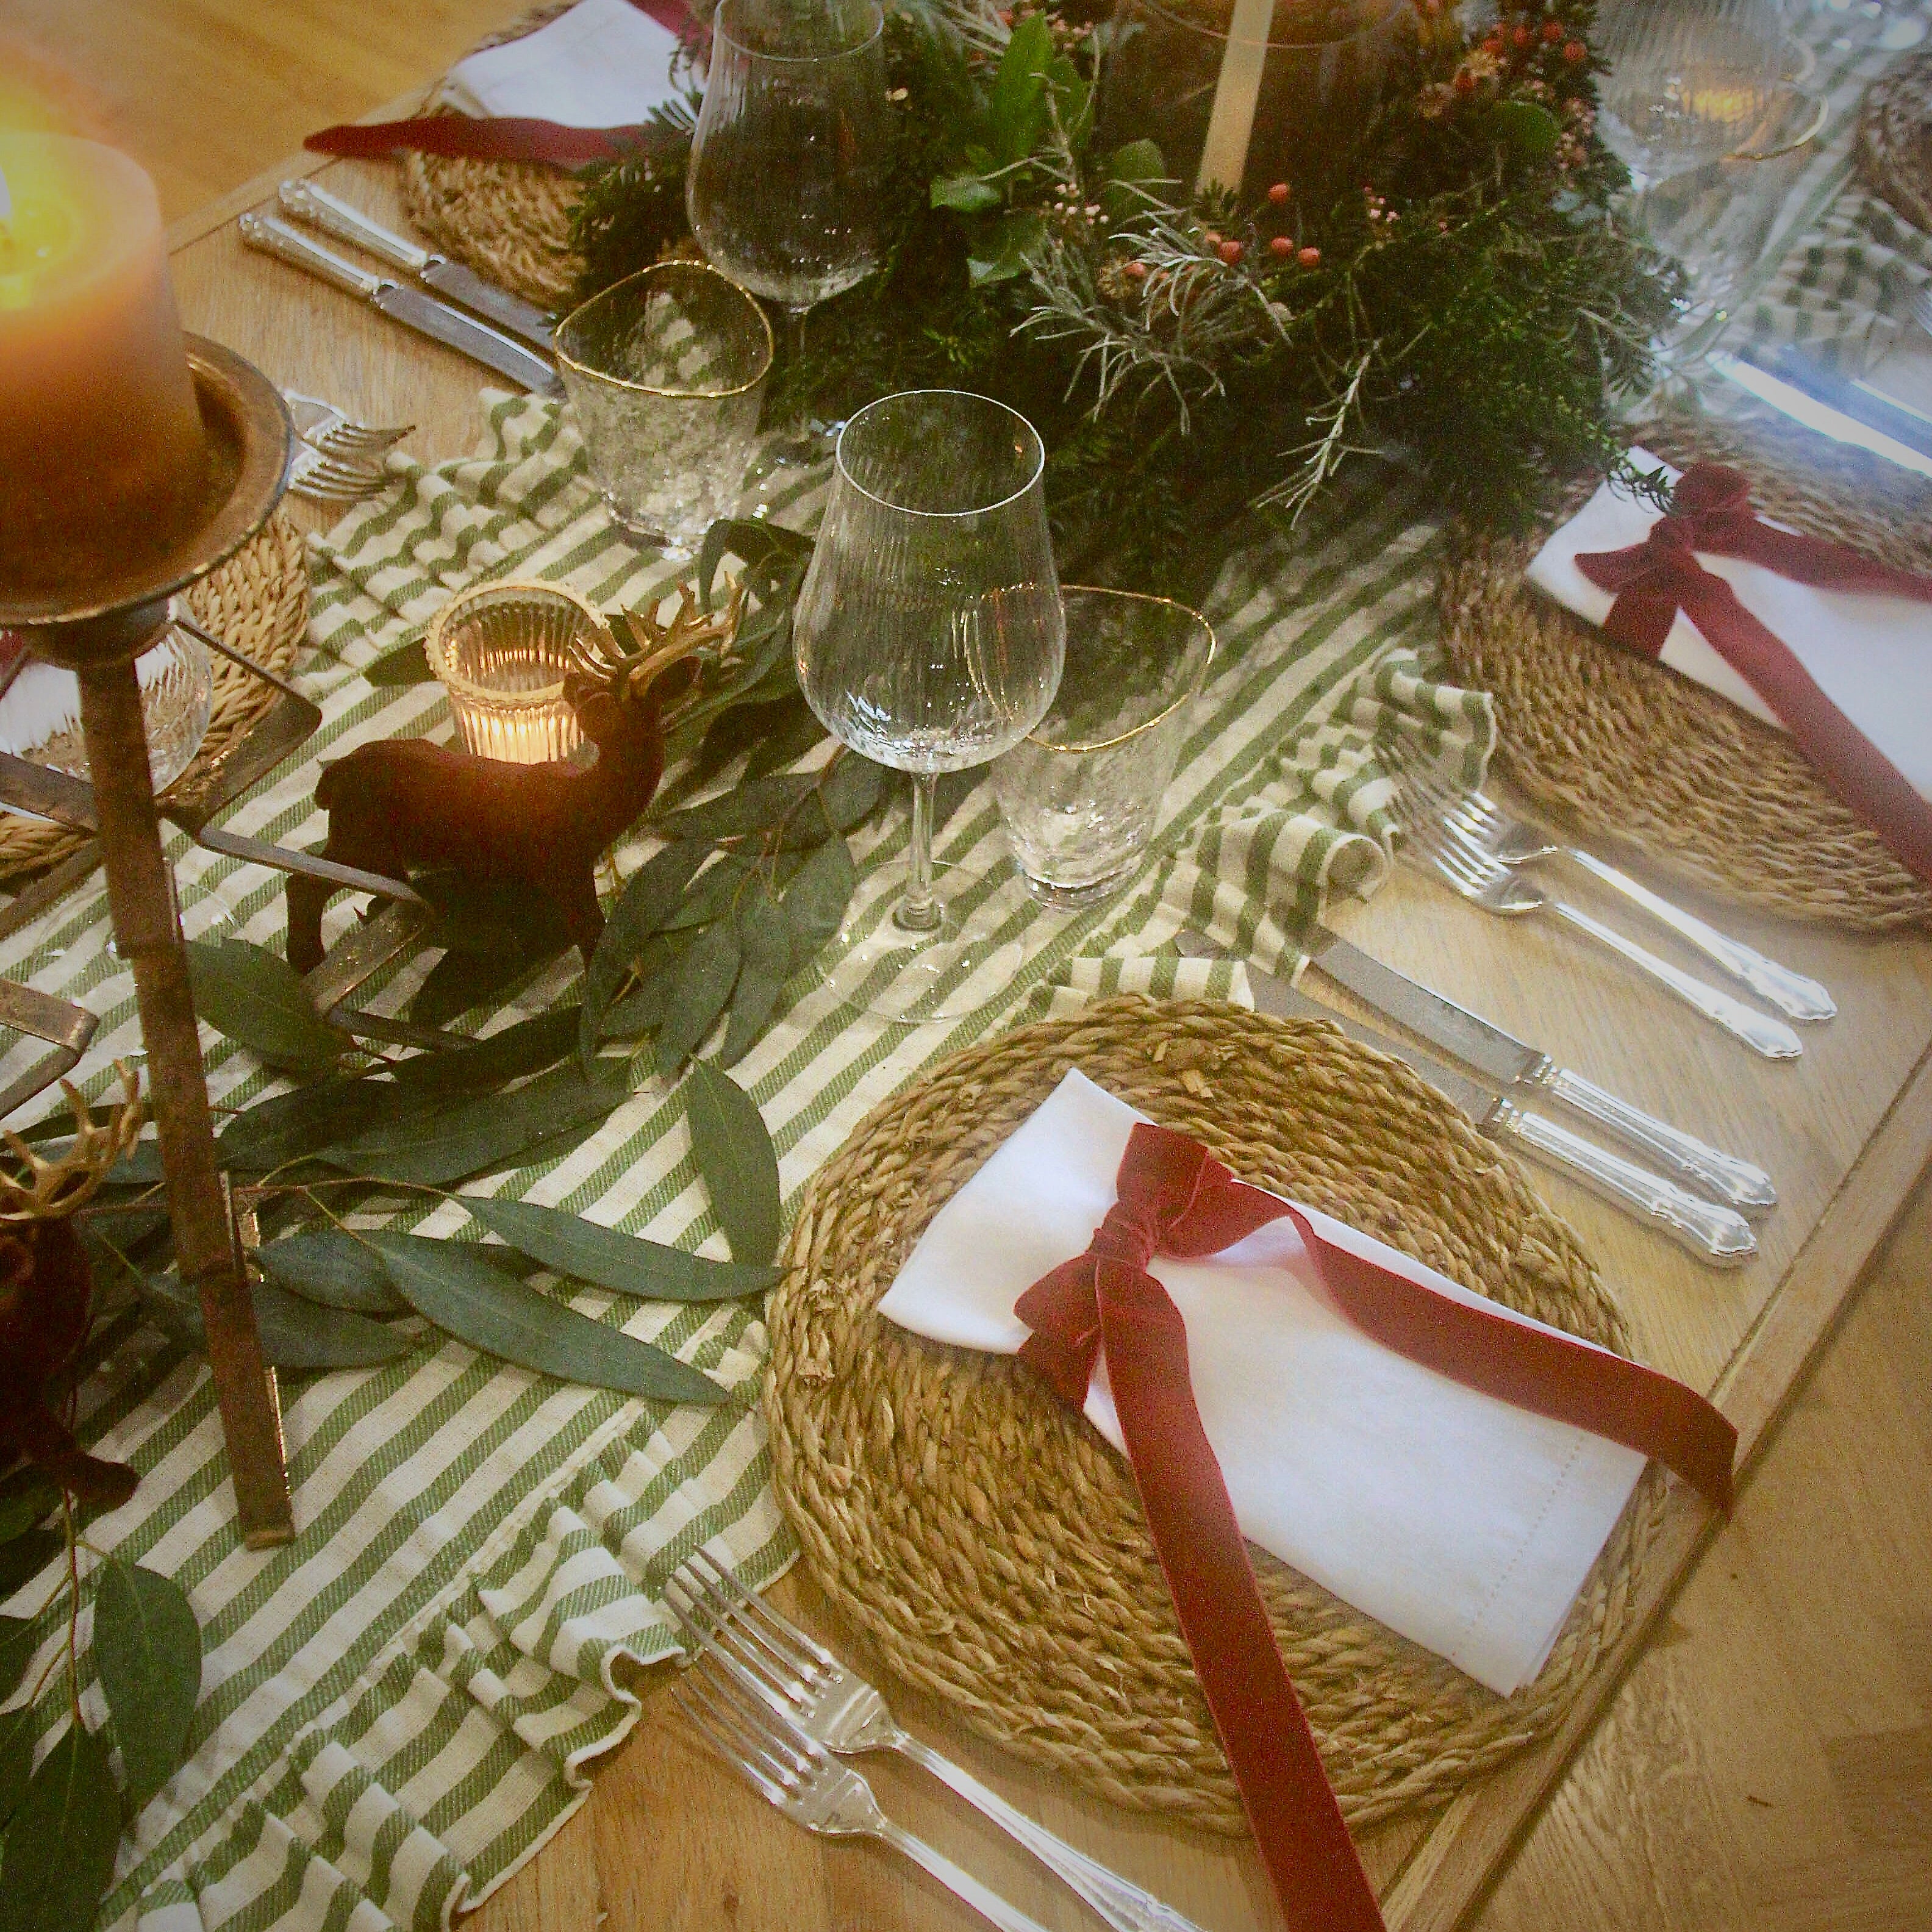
x=1634 y=755
x=1895 y=138
x=990 y=1543
x=258 y=602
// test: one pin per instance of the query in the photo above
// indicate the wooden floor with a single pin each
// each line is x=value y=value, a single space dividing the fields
x=1785 y=1716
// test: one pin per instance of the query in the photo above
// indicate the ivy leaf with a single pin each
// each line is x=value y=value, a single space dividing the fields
x=734 y=1153
x=699 y=990
x=26 y=1556
x=293 y=1125
x=451 y=1284
x=61 y=1846
x=330 y=1266
x=966 y=194
x=814 y=903
x=850 y=790
x=257 y=999
x=147 y=1646
x=764 y=943
x=625 y=1264
x=407 y=663
x=478 y=1135
x=641 y=910
x=485 y=1065
x=17 y=1646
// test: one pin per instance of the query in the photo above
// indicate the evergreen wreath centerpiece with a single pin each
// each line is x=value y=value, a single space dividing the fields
x=1442 y=279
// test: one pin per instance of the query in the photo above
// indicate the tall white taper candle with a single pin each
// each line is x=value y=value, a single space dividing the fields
x=1225 y=157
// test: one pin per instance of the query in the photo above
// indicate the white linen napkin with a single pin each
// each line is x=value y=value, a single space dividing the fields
x=1871 y=655
x=1465 y=1524
x=604 y=64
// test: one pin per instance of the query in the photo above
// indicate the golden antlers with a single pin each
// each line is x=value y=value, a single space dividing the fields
x=658 y=645
x=51 y=1189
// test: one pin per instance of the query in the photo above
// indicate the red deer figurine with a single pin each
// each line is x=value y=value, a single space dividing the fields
x=404 y=805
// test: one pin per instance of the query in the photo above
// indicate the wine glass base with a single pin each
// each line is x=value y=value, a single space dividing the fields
x=966 y=963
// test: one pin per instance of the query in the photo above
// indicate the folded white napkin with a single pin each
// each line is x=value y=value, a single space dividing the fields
x=1465 y=1524
x=604 y=64
x=1872 y=655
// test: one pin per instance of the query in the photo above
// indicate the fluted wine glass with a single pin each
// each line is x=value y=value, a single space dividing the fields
x=929 y=637
x=789 y=160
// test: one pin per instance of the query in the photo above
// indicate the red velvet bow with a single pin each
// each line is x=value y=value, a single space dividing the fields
x=1174 y=1198
x=505 y=138
x=1653 y=580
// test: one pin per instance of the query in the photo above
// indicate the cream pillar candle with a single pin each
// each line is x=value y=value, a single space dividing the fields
x=100 y=439
x=1224 y=158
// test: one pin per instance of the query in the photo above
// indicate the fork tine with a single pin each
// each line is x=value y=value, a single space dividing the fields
x=740 y=1758
x=724 y=1637
x=773 y=1728
x=731 y=1720
x=807 y=1650
x=1467 y=844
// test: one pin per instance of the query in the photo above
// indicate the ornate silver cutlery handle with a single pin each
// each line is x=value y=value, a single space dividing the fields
x=1791 y=993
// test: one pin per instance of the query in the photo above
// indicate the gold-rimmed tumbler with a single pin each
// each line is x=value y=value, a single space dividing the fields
x=666 y=371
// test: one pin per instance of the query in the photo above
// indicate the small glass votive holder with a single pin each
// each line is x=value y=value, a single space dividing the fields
x=1080 y=796
x=40 y=710
x=666 y=370
x=502 y=650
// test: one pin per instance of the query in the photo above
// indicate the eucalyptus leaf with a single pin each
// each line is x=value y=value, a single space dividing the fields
x=814 y=903
x=407 y=663
x=478 y=1135
x=734 y=1152
x=640 y=1012
x=761 y=806
x=460 y=981
x=699 y=987
x=764 y=943
x=16 y=1762
x=625 y=1264
x=452 y=1284
x=257 y=999
x=61 y=1846
x=147 y=1646
x=712 y=895
x=331 y=1266
x=851 y=790
x=737 y=730
x=296 y=1334
x=26 y=1556
x=16 y=1652
x=646 y=902
x=484 y=1065
x=27 y=1508
x=793 y=730
x=754 y=539
x=291 y=1126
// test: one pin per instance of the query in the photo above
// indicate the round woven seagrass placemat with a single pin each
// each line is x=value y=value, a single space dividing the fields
x=509 y=220
x=991 y=1544
x=1632 y=753
x=1895 y=153
x=258 y=602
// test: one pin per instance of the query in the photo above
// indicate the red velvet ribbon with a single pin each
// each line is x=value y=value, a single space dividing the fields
x=505 y=139
x=1653 y=580
x=1173 y=1198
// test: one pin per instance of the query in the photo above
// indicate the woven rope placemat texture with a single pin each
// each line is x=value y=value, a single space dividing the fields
x=1630 y=754
x=509 y=220
x=257 y=602
x=990 y=1543
x=1895 y=151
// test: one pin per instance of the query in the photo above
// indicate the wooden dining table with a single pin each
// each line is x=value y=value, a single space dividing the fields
x=670 y=1838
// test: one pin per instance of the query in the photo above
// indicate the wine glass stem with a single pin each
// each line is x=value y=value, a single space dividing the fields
x=919 y=910
x=795 y=335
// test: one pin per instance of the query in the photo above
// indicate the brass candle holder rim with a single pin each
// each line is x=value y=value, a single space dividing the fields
x=249 y=440
x=435 y=643
x=1084 y=748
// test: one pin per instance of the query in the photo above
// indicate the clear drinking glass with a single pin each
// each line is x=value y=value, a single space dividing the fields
x=788 y=162
x=1080 y=794
x=929 y=636
x=1690 y=82
x=666 y=370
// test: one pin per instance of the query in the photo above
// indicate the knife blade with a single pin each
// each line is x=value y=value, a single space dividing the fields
x=1716 y=1235
x=1482 y=1044
x=319 y=209
x=408 y=306
x=1793 y=402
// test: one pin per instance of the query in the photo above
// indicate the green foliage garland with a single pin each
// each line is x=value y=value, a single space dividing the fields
x=1449 y=284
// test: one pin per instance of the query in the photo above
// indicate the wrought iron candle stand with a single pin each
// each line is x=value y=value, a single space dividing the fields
x=97 y=626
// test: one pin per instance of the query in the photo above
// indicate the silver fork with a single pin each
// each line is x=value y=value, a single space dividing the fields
x=786 y=1768
x=335 y=479
x=800 y=1680
x=1510 y=841
x=1470 y=872
x=332 y=430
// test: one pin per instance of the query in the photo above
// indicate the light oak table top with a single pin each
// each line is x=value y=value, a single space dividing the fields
x=670 y=1839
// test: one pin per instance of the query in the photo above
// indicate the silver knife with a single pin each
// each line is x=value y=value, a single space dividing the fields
x=320 y=209
x=1501 y=1056
x=1717 y=1235
x=1790 y=401
x=410 y=307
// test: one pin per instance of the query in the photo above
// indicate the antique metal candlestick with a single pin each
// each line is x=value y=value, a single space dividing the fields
x=97 y=624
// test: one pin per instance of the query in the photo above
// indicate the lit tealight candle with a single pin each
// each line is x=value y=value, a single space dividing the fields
x=101 y=450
